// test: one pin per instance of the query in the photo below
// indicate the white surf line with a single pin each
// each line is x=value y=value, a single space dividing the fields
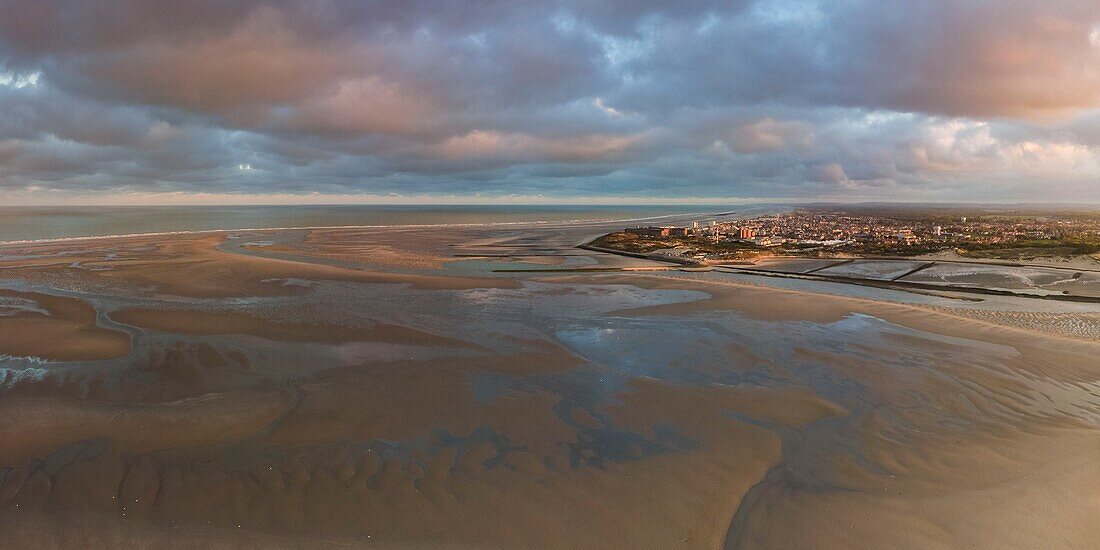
x=25 y=359
x=320 y=227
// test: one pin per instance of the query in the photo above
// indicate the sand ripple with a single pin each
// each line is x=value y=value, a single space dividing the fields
x=1078 y=325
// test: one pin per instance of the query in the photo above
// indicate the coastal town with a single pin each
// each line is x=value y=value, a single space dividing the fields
x=810 y=232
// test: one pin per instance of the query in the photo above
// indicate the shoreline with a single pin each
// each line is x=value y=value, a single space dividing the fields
x=892 y=283
x=536 y=223
x=1075 y=325
x=908 y=285
x=623 y=405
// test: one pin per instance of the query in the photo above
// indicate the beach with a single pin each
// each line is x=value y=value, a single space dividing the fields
x=412 y=387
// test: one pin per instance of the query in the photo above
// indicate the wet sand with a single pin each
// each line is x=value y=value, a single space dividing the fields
x=1058 y=282
x=56 y=328
x=316 y=390
x=209 y=323
x=193 y=266
x=1084 y=261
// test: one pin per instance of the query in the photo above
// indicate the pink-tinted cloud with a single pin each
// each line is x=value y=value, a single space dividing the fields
x=261 y=62
x=365 y=106
x=769 y=135
x=1013 y=58
x=715 y=97
x=481 y=144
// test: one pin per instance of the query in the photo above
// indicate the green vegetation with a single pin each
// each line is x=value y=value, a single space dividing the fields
x=629 y=242
x=1014 y=250
x=884 y=249
x=1031 y=249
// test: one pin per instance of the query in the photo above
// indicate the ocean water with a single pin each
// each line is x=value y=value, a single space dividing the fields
x=34 y=223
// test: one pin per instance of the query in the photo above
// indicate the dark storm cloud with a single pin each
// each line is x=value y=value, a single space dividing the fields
x=855 y=98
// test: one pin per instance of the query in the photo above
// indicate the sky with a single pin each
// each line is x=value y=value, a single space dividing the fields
x=567 y=101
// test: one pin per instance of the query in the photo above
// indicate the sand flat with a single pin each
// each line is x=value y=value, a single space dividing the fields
x=881 y=270
x=620 y=410
x=192 y=266
x=67 y=331
x=208 y=323
x=1010 y=277
x=795 y=265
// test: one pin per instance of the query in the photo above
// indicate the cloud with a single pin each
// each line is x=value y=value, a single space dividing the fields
x=832 y=173
x=769 y=135
x=521 y=147
x=716 y=98
x=262 y=62
x=362 y=107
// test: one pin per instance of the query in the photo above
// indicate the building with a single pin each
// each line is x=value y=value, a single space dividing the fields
x=767 y=241
x=660 y=232
x=906 y=236
x=746 y=233
x=648 y=231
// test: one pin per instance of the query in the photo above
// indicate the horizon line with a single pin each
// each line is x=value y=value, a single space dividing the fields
x=702 y=202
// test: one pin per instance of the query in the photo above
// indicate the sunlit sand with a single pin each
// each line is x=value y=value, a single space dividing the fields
x=311 y=391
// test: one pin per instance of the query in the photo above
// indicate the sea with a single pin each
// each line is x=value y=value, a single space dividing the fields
x=32 y=223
